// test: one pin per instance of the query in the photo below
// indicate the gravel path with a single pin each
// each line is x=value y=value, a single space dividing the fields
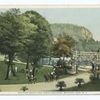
x=45 y=86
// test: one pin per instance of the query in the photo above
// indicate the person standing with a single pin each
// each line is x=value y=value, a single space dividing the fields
x=9 y=73
x=16 y=69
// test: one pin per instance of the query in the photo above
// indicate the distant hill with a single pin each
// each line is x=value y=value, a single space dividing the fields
x=75 y=31
x=80 y=34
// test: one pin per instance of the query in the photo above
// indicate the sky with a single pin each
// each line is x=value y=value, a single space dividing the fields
x=87 y=17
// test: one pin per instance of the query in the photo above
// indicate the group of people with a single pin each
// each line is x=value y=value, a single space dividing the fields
x=15 y=70
x=29 y=75
x=51 y=76
x=96 y=70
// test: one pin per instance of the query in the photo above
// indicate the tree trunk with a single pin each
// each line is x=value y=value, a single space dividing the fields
x=76 y=69
x=49 y=60
x=10 y=65
x=35 y=63
x=60 y=88
x=42 y=61
x=12 y=70
x=7 y=74
x=27 y=65
x=79 y=85
x=65 y=69
x=33 y=71
x=11 y=58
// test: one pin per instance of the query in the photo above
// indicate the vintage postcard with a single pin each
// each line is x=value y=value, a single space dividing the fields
x=50 y=49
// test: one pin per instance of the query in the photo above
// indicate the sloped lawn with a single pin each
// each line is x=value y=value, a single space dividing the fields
x=21 y=77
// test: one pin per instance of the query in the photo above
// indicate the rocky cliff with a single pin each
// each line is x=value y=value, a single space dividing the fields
x=75 y=31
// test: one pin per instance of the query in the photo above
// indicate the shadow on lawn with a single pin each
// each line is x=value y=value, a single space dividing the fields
x=91 y=86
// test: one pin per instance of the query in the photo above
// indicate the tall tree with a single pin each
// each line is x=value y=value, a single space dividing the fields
x=40 y=41
x=13 y=29
x=63 y=45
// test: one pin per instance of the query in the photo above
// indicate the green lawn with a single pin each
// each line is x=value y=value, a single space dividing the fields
x=1 y=57
x=91 y=86
x=21 y=77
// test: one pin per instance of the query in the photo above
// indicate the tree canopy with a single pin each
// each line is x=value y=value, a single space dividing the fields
x=27 y=32
x=63 y=46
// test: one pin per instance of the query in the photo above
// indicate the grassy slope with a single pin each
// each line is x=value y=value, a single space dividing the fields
x=91 y=86
x=21 y=77
x=1 y=57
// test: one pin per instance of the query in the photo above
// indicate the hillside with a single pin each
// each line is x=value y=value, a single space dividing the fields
x=82 y=35
x=75 y=31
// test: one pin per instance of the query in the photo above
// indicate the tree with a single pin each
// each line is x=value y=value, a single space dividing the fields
x=39 y=43
x=13 y=33
x=24 y=33
x=79 y=81
x=61 y=84
x=24 y=88
x=64 y=45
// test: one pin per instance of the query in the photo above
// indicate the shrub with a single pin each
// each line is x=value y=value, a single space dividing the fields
x=93 y=79
x=59 y=71
x=79 y=81
x=61 y=84
x=22 y=70
x=24 y=88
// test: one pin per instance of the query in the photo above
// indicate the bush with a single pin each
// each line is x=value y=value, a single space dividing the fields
x=61 y=84
x=60 y=71
x=93 y=79
x=79 y=81
x=24 y=88
x=22 y=70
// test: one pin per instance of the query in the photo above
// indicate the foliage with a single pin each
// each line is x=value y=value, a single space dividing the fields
x=8 y=32
x=79 y=81
x=63 y=46
x=93 y=79
x=61 y=84
x=24 y=88
x=90 y=86
x=11 y=26
x=76 y=32
x=24 y=33
x=21 y=76
x=38 y=43
x=80 y=34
